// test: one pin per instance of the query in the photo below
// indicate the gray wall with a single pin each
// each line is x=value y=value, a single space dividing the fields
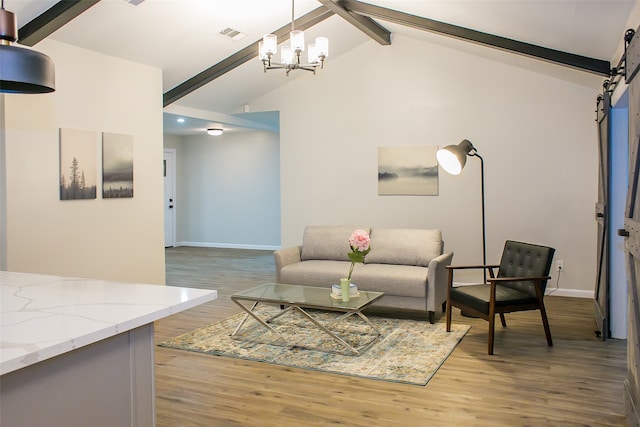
x=533 y=122
x=228 y=190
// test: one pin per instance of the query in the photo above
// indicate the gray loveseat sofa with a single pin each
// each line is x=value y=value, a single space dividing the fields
x=408 y=265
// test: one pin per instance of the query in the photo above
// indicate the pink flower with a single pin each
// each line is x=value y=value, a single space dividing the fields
x=359 y=240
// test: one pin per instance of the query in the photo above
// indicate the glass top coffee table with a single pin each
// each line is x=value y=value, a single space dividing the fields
x=301 y=299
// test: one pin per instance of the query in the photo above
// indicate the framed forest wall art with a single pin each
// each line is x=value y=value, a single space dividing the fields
x=117 y=165
x=78 y=164
x=408 y=171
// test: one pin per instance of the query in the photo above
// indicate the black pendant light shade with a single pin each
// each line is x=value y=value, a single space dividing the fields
x=25 y=71
x=22 y=70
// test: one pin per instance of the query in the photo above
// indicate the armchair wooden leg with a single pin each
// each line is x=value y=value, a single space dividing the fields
x=545 y=323
x=448 y=314
x=502 y=320
x=444 y=306
x=492 y=321
x=432 y=317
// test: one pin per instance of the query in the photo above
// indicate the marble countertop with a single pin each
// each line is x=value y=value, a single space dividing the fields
x=44 y=316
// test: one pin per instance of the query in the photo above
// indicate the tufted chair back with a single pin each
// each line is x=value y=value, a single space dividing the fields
x=525 y=260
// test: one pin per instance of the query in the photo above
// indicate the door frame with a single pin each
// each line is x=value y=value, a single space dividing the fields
x=171 y=151
x=618 y=184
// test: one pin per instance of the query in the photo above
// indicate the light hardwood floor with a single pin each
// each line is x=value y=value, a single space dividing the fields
x=578 y=382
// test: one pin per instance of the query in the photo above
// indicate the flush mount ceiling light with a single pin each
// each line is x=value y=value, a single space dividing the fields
x=290 y=56
x=21 y=70
x=215 y=131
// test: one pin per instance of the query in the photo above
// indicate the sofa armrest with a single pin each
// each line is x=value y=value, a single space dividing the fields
x=284 y=257
x=437 y=279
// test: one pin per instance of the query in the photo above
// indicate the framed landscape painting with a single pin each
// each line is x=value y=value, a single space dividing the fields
x=408 y=171
x=117 y=166
x=78 y=164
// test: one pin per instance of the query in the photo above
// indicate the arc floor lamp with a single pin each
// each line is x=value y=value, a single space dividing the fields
x=453 y=158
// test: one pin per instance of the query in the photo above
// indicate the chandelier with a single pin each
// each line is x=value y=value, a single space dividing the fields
x=290 y=56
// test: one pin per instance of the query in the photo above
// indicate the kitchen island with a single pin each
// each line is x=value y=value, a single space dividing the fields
x=79 y=352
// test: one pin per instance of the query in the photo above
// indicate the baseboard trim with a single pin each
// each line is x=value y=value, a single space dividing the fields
x=574 y=293
x=228 y=246
x=558 y=292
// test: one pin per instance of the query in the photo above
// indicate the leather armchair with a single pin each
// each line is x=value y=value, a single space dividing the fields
x=519 y=285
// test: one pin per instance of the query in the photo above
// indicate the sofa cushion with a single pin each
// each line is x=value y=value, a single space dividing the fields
x=401 y=280
x=321 y=273
x=328 y=242
x=404 y=246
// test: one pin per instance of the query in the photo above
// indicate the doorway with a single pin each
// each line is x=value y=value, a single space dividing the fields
x=619 y=176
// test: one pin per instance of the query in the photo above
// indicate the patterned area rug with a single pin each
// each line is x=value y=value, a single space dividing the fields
x=409 y=351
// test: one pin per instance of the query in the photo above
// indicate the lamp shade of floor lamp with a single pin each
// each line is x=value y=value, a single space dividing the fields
x=452 y=159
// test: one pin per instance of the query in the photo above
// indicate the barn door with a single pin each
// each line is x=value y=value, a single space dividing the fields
x=631 y=232
x=601 y=309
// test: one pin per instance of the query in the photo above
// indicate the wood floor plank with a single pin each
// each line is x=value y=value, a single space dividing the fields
x=578 y=382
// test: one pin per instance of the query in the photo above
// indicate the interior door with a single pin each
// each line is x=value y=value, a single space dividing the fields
x=169 y=164
x=631 y=232
x=601 y=309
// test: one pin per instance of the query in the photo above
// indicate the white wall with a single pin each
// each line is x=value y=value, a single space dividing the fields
x=172 y=141
x=524 y=123
x=228 y=190
x=114 y=239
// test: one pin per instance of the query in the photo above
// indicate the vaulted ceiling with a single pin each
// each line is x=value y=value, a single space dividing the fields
x=204 y=70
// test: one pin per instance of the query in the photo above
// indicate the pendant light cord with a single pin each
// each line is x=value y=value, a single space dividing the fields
x=293 y=4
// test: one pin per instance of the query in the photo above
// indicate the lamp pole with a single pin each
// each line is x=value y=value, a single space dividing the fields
x=484 y=232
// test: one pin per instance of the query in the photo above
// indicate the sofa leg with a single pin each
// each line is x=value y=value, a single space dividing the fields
x=432 y=317
x=444 y=306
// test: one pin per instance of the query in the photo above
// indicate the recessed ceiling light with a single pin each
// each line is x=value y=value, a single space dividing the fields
x=215 y=131
x=232 y=34
x=180 y=120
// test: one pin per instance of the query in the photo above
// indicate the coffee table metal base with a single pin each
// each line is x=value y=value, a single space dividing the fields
x=323 y=327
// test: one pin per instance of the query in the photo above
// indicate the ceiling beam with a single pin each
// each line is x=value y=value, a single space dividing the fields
x=596 y=66
x=52 y=20
x=248 y=53
x=365 y=24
